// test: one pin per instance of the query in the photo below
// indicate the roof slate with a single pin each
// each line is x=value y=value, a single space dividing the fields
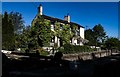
x=60 y=20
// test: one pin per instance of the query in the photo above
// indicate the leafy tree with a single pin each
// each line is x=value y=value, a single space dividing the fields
x=99 y=33
x=0 y=21
x=17 y=21
x=90 y=36
x=23 y=38
x=35 y=36
x=7 y=33
x=112 y=43
x=0 y=29
x=96 y=35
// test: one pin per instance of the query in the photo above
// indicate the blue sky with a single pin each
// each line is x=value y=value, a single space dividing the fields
x=84 y=13
x=0 y=7
x=60 y=0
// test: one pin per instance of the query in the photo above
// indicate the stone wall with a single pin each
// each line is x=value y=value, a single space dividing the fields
x=88 y=55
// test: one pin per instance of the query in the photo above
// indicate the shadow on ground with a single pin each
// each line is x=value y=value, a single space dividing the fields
x=54 y=66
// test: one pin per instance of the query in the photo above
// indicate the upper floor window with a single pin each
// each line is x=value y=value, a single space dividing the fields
x=78 y=33
x=52 y=39
x=52 y=26
x=61 y=27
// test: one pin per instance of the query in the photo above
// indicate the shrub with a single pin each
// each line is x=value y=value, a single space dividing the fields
x=67 y=48
x=42 y=52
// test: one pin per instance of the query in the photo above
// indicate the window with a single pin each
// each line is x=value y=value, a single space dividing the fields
x=52 y=26
x=78 y=32
x=52 y=39
x=61 y=27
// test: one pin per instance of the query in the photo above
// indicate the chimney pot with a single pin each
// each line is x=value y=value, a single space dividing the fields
x=67 y=18
x=40 y=9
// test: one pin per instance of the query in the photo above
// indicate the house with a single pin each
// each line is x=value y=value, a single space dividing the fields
x=79 y=40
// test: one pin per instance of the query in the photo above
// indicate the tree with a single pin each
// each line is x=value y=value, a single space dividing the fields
x=96 y=35
x=0 y=29
x=90 y=36
x=99 y=34
x=7 y=33
x=23 y=38
x=0 y=23
x=112 y=43
x=17 y=21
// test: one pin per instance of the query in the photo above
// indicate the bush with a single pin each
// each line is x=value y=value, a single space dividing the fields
x=42 y=52
x=67 y=48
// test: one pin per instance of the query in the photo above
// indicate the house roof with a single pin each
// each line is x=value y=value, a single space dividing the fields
x=60 y=20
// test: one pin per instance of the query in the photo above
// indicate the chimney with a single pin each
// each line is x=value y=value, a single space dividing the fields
x=67 y=18
x=40 y=9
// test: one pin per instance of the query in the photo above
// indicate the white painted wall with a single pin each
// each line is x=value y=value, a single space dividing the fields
x=74 y=41
x=6 y=51
x=52 y=27
x=81 y=44
x=82 y=32
x=55 y=39
x=58 y=42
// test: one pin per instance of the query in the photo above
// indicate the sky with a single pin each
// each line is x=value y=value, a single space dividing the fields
x=84 y=13
x=0 y=7
x=60 y=0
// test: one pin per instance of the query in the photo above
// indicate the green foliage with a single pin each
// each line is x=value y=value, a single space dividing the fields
x=35 y=36
x=7 y=33
x=12 y=25
x=42 y=52
x=67 y=48
x=0 y=23
x=112 y=43
x=96 y=36
x=17 y=21
x=90 y=36
x=63 y=32
x=42 y=30
x=73 y=29
x=66 y=35
x=99 y=34
x=23 y=39
x=0 y=29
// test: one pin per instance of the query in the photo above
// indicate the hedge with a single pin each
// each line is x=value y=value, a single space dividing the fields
x=67 y=48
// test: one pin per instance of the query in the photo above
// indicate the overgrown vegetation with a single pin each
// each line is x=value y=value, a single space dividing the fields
x=112 y=43
x=96 y=35
x=16 y=35
x=68 y=49
x=7 y=33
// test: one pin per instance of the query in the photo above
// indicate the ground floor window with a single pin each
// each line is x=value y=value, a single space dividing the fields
x=52 y=39
x=78 y=41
